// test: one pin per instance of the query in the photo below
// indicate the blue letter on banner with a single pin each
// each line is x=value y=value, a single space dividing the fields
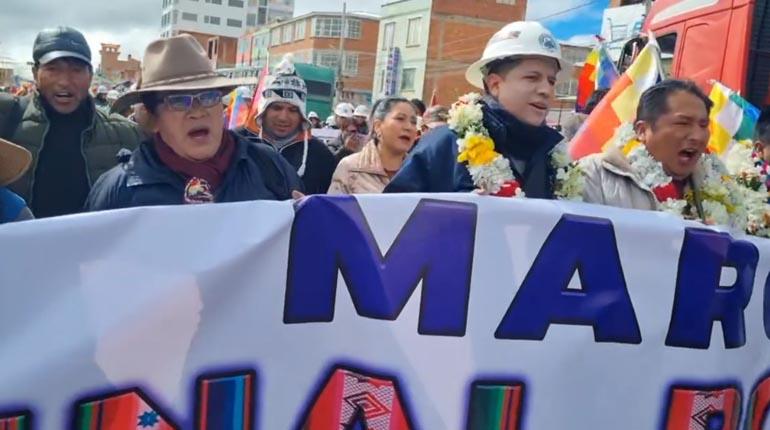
x=699 y=299
x=435 y=245
x=587 y=245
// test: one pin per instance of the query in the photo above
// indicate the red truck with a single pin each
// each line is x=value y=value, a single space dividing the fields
x=725 y=40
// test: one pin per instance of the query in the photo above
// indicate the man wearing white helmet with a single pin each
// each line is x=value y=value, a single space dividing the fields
x=315 y=121
x=518 y=73
x=101 y=99
x=283 y=124
x=361 y=118
x=350 y=140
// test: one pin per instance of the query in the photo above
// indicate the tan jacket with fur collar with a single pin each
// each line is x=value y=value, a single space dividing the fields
x=610 y=180
x=360 y=173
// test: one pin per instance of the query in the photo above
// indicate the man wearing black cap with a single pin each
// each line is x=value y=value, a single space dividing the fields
x=71 y=141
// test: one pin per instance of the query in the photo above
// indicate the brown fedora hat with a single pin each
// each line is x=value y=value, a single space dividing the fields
x=177 y=63
x=14 y=161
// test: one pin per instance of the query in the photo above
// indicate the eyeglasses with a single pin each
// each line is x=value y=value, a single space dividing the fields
x=185 y=102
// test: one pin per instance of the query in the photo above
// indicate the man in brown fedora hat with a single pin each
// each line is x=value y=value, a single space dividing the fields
x=14 y=161
x=190 y=157
x=71 y=141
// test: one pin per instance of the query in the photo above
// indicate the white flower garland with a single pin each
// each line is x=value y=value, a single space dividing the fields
x=489 y=169
x=720 y=196
x=743 y=164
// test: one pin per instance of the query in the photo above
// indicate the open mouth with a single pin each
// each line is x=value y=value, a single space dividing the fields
x=199 y=133
x=64 y=97
x=406 y=138
x=688 y=156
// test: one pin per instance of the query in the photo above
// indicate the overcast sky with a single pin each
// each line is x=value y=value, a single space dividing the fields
x=134 y=23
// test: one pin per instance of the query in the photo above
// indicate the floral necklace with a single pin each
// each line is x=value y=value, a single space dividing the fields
x=718 y=199
x=750 y=174
x=491 y=171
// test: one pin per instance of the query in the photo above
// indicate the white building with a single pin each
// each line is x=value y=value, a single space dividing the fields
x=402 y=48
x=619 y=24
x=229 y=18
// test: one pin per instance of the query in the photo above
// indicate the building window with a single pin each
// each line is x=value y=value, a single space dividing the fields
x=299 y=30
x=328 y=26
x=326 y=59
x=407 y=80
x=387 y=36
x=330 y=58
x=214 y=1
x=351 y=64
x=287 y=31
x=251 y=19
x=175 y=17
x=413 y=32
x=353 y=29
x=567 y=89
x=262 y=16
x=186 y=16
x=510 y=2
x=234 y=23
x=235 y=3
x=275 y=37
x=214 y=20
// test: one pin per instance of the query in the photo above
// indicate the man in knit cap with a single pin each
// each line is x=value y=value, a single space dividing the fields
x=282 y=123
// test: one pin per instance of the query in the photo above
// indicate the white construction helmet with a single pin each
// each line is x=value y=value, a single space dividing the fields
x=312 y=115
x=520 y=38
x=361 y=110
x=344 y=110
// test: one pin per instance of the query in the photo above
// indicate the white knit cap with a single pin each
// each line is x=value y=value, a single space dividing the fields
x=285 y=87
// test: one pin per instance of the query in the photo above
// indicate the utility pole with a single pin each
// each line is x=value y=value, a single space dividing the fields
x=340 y=58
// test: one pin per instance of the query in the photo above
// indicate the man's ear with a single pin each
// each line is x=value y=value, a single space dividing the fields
x=492 y=83
x=641 y=128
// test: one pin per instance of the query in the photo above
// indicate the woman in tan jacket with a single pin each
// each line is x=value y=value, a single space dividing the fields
x=394 y=131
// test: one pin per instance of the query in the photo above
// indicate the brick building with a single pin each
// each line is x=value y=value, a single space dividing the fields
x=222 y=50
x=314 y=38
x=426 y=45
x=115 y=69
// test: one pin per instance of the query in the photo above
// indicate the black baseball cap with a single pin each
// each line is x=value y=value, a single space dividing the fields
x=60 y=42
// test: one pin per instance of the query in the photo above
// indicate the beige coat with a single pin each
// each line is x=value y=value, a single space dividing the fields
x=360 y=173
x=610 y=180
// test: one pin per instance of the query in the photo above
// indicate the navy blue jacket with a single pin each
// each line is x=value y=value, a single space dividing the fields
x=12 y=207
x=433 y=168
x=257 y=173
x=429 y=168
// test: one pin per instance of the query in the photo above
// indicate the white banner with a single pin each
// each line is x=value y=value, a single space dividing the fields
x=382 y=312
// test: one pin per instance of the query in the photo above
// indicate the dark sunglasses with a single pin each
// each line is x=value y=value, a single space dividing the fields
x=185 y=102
